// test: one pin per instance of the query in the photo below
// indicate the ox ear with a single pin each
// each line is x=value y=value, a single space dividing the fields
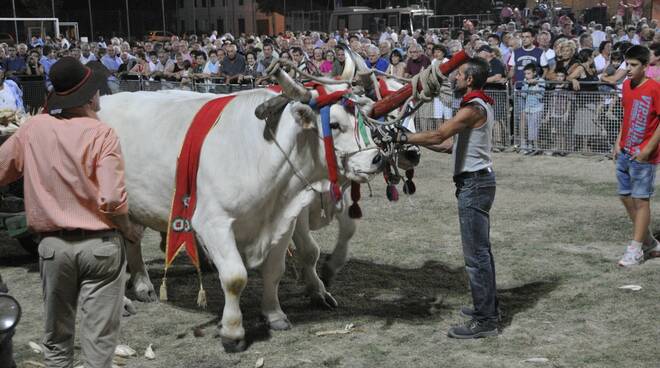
x=304 y=115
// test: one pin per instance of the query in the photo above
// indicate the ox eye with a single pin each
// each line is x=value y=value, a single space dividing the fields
x=335 y=126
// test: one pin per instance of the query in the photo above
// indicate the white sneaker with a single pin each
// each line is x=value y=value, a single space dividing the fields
x=632 y=257
x=653 y=250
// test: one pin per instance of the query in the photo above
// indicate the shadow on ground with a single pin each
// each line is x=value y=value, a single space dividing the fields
x=363 y=289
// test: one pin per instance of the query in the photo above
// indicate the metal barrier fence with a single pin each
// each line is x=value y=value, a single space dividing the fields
x=203 y=87
x=549 y=119
x=432 y=114
x=557 y=120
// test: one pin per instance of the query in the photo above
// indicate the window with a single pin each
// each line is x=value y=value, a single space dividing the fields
x=212 y=3
x=183 y=26
x=203 y=3
x=180 y=3
x=195 y=3
x=240 y=2
x=220 y=25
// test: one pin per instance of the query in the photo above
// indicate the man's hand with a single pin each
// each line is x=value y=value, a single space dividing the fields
x=642 y=156
x=132 y=233
x=616 y=151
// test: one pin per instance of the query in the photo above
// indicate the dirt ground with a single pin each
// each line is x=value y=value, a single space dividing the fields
x=557 y=232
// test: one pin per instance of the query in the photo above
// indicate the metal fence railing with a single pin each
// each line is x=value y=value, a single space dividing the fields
x=565 y=121
x=550 y=119
x=199 y=86
x=432 y=114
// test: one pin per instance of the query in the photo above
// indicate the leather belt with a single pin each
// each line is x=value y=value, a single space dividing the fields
x=473 y=174
x=80 y=233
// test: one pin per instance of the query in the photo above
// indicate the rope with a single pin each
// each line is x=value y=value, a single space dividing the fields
x=390 y=75
x=431 y=81
x=297 y=173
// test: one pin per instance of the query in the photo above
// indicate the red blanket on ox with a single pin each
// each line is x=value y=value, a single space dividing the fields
x=180 y=232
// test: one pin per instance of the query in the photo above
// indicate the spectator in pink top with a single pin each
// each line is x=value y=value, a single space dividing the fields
x=326 y=65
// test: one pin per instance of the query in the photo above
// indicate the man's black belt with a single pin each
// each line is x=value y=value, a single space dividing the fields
x=80 y=233
x=473 y=174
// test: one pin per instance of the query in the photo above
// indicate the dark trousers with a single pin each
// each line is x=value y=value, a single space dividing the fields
x=475 y=197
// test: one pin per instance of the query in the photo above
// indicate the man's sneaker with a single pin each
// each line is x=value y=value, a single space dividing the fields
x=632 y=257
x=652 y=250
x=468 y=312
x=473 y=329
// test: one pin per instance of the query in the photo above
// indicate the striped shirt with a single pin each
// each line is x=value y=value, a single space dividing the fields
x=73 y=169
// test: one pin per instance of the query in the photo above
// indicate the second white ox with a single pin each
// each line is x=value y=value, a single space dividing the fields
x=249 y=193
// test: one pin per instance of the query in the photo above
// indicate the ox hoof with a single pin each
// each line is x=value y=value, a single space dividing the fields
x=324 y=301
x=144 y=291
x=327 y=275
x=280 y=325
x=233 y=345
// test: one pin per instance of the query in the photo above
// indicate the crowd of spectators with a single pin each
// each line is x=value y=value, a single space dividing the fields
x=552 y=53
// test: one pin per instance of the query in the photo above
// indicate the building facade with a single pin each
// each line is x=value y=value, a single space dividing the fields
x=234 y=16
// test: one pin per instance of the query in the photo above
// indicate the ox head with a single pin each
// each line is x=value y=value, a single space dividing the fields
x=358 y=158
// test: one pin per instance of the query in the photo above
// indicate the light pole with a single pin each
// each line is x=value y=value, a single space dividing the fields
x=52 y=5
x=91 y=22
x=128 y=22
x=162 y=6
x=13 y=6
x=194 y=5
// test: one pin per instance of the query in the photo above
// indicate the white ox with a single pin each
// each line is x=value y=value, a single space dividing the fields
x=248 y=192
x=320 y=214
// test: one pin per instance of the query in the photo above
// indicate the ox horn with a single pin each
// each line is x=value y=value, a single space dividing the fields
x=292 y=89
x=350 y=65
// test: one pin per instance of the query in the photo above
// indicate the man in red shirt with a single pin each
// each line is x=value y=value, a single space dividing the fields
x=75 y=197
x=637 y=154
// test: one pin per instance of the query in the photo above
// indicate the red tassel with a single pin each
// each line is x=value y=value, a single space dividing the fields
x=392 y=193
x=354 y=211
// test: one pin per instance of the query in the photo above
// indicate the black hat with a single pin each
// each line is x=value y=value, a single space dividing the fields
x=73 y=84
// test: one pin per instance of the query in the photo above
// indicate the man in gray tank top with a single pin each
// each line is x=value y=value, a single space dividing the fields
x=473 y=173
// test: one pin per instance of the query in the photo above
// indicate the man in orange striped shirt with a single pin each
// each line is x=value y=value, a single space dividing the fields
x=76 y=198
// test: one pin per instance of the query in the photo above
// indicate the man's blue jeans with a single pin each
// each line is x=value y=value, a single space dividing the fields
x=475 y=196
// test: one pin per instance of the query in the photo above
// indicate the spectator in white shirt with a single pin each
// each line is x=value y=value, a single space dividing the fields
x=154 y=64
x=603 y=59
x=85 y=54
x=598 y=36
x=212 y=67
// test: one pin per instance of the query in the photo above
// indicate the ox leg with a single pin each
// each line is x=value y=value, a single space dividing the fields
x=307 y=253
x=142 y=286
x=221 y=246
x=337 y=259
x=272 y=270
